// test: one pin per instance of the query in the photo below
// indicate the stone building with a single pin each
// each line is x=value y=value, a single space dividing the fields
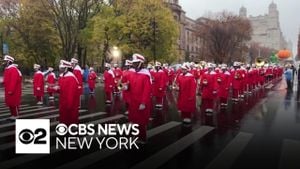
x=188 y=43
x=266 y=28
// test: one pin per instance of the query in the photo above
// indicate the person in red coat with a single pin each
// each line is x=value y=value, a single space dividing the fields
x=261 y=79
x=38 y=84
x=118 y=76
x=127 y=75
x=140 y=96
x=92 y=80
x=77 y=71
x=12 y=82
x=68 y=99
x=269 y=74
x=51 y=80
x=109 y=83
x=236 y=77
x=243 y=89
x=209 y=87
x=254 y=81
x=186 y=103
x=160 y=81
x=223 y=80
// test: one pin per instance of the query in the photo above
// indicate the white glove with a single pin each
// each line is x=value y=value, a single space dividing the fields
x=56 y=87
x=125 y=87
x=142 y=107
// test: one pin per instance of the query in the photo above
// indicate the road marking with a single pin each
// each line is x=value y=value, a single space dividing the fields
x=6 y=108
x=290 y=154
x=26 y=158
x=4 y=134
x=22 y=108
x=231 y=152
x=27 y=111
x=92 y=158
x=12 y=144
x=170 y=151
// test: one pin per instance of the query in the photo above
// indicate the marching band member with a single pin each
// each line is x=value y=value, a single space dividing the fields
x=77 y=71
x=255 y=78
x=38 y=84
x=243 y=80
x=186 y=103
x=109 y=83
x=261 y=79
x=127 y=74
x=118 y=76
x=249 y=79
x=208 y=85
x=12 y=82
x=269 y=73
x=159 y=84
x=50 y=79
x=92 y=77
x=69 y=96
x=140 y=96
x=236 y=77
x=223 y=80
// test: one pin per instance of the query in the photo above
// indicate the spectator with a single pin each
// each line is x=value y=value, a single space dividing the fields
x=288 y=73
x=299 y=75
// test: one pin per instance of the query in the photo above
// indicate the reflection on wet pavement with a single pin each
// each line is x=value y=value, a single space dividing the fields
x=257 y=132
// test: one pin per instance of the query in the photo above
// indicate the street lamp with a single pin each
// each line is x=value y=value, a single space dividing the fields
x=116 y=53
x=154 y=28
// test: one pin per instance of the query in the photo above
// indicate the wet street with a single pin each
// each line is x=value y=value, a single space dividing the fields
x=262 y=131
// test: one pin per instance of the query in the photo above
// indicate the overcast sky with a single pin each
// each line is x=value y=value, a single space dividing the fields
x=289 y=12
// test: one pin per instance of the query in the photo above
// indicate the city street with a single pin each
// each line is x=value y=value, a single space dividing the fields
x=262 y=131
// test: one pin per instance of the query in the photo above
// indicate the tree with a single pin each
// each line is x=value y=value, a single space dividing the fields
x=258 y=51
x=70 y=17
x=29 y=32
x=131 y=27
x=225 y=36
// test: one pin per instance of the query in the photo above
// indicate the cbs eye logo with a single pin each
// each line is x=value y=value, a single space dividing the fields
x=27 y=136
x=32 y=136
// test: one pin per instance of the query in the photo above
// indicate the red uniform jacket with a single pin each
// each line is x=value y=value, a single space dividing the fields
x=160 y=81
x=78 y=74
x=109 y=81
x=126 y=78
x=92 y=79
x=269 y=71
x=51 y=82
x=38 y=84
x=223 y=80
x=261 y=72
x=236 y=78
x=140 y=93
x=171 y=76
x=68 y=100
x=187 y=93
x=208 y=85
x=12 y=82
x=118 y=74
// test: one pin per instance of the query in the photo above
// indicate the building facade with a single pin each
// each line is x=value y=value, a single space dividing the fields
x=188 y=43
x=266 y=31
x=266 y=28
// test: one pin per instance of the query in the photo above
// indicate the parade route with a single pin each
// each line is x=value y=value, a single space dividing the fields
x=253 y=129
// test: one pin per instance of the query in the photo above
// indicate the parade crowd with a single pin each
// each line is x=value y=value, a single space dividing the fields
x=142 y=86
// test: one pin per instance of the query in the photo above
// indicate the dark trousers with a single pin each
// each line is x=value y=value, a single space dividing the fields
x=289 y=84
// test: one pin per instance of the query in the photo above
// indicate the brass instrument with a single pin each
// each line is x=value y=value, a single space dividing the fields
x=260 y=61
